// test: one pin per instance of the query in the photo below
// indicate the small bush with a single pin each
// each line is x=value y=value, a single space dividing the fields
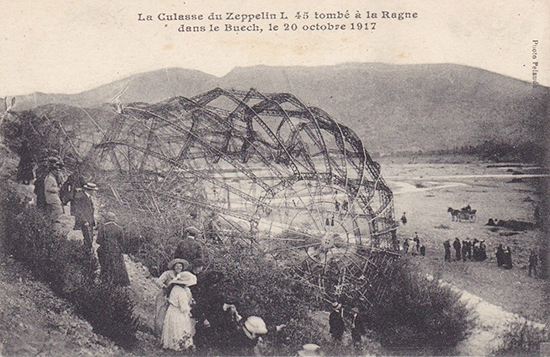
x=522 y=338
x=409 y=311
x=261 y=287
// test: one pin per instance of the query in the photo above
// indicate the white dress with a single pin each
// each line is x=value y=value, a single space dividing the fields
x=161 y=302
x=179 y=327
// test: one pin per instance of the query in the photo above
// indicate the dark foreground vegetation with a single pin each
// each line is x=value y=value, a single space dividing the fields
x=412 y=312
x=64 y=266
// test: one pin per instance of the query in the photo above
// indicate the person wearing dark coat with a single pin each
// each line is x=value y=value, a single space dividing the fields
x=110 y=238
x=25 y=173
x=482 y=251
x=507 y=260
x=74 y=183
x=188 y=248
x=500 y=255
x=465 y=245
x=336 y=322
x=457 y=246
x=357 y=328
x=416 y=239
x=447 y=246
x=83 y=209
x=404 y=218
x=212 y=319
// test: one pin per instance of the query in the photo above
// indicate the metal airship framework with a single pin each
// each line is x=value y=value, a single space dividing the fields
x=284 y=178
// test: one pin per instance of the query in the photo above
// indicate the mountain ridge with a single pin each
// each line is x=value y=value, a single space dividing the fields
x=394 y=107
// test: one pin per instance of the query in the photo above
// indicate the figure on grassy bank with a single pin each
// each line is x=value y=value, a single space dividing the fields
x=47 y=189
x=110 y=236
x=357 y=328
x=25 y=169
x=179 y=327
x=507 y=258
x=83 y=209
x=74 y=183
x=457 y=246
x=336 y=322
x=500 y=255
x=447 y=247
x=175 y=267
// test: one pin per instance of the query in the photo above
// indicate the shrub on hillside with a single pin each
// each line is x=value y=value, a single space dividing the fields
x=31 y=238
x=260 y=286
x=414 y=312
x=522 y=338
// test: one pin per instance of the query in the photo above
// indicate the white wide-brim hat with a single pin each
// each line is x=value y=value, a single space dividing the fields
x=185 y=278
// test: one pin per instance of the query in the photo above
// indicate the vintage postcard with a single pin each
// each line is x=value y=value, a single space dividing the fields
x=312 y=178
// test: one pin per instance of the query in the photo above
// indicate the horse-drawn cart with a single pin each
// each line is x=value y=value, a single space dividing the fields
x=464 y=215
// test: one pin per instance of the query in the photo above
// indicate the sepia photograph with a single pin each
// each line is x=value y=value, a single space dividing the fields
x=274 y=178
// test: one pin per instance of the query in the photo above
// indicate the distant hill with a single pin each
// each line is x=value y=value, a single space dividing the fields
x=392 y=107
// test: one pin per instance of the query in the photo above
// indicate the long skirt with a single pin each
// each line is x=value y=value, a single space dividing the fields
x=178 y=330
x=161 y=305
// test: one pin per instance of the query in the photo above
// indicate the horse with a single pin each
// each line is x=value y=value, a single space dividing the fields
x=454 y=214
x=461 y=215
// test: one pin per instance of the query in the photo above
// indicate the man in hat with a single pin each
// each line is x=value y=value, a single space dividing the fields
x=336 y=322
x=53 y=205
x=246 y=336
x=188 y=248
x=83 y=209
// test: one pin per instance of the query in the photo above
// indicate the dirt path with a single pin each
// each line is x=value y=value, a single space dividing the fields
x=491 y=324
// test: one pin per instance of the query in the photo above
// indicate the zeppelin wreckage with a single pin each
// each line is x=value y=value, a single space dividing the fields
x=287 y=179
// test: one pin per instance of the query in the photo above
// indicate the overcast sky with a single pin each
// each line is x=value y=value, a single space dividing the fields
x=69 y=46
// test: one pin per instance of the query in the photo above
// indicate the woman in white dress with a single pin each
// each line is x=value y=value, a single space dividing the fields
x=175 y=267
x=179 y=328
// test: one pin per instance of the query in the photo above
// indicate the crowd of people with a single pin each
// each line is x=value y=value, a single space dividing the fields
x=54 y=193
x=189 y=315
x=413 y=246
x=475 y=250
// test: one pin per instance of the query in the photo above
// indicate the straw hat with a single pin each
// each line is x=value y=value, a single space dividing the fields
x=183 y=262
x=90 y=186
x=192 y=230
x=310 y=349
x=336 y=305
x=185 y=278
x=255 y=325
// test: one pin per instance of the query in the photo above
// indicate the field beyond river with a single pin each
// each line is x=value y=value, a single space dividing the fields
x=499 y=191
